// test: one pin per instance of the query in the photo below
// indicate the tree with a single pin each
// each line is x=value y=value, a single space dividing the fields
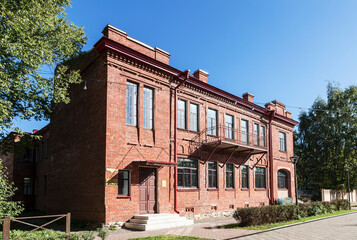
x=327 y=142
x=7 y=190
x=37 y=40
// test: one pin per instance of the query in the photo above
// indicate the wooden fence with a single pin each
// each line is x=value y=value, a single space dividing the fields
x=7 y=223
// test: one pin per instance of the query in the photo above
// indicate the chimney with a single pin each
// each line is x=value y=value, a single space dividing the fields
x=287 y=114
x=201 y=75
x=270 y=106
x=248 y=97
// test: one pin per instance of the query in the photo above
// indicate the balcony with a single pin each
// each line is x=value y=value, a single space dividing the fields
x=222 y=137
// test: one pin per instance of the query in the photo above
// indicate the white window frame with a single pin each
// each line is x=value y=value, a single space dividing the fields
x=148 y=108
x=131 y=103
x=194 y=116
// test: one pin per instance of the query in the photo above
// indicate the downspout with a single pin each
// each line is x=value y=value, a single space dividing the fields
x=175 y=137
x=271 y=161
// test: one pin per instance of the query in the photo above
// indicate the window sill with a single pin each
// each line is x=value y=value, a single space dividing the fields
x=212 y=189
x=282 y=151
x=260 y=189
x=244 y=189
x=283 y=189
x=229 y=189
x=188 y=189
x=123 y=196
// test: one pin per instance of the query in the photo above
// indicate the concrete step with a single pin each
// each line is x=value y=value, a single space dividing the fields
x=156 y=216
x=157 y=221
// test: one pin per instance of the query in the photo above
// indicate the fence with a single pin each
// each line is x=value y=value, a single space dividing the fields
x=7 y=223
x=330 y=195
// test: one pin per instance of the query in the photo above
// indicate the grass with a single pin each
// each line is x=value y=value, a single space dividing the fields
x=273 y=225
x=168 y=237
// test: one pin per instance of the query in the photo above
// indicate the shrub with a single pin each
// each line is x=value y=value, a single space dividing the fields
x=341 y=204
x=280 y=213
x=102 y=233
x=265 y=214
x=112 y=228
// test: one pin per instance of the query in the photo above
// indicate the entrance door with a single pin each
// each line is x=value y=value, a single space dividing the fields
x=147 y=190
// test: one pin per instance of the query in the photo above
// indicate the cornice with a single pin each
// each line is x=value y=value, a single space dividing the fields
x=146 y=63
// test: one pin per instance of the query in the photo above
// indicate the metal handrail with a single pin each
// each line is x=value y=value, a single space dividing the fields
x=229 y=134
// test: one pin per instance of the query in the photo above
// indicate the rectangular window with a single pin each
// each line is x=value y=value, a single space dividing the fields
x=245 y=176
x=27 y=186
x=131 y=103
x=36 y=153
x=45 y=185
x=282 y=141
x=47 y=142
x=260 y=177
x=212 y=122
x=212 y=174
x=28 y=155
x=229 y=175
x=229 y=126
x=187 y=173
x=148 y=108
x=244 y=131
x=262 y=136
x=193 y=117
x=42 y=150
x=124 y=183
x=181 y=114
x=256 y=134
x=36 y=187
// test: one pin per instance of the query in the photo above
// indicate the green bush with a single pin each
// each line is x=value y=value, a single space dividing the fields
x=341 y=204
x=50 y=235
x=280 y=213
x=265 y=214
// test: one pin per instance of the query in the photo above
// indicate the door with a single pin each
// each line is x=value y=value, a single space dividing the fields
x=147 y=190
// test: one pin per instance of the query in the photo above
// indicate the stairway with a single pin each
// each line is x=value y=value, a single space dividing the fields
x=146 y=222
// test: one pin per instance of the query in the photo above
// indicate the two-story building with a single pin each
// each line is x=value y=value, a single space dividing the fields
x=140 y=136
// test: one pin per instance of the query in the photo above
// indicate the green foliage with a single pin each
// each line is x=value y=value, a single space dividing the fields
x=7 y=190
x=112 y=228
x=51 y=235
x=326 y=142
x=36 y=38
x=280 y=213
x=102 y=233
x=341 y=204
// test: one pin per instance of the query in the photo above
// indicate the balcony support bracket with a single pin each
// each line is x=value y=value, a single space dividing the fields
x=229 y=157
x=212 y=152
x=246 y=158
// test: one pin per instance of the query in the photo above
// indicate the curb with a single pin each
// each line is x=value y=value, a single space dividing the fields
x=291 y=225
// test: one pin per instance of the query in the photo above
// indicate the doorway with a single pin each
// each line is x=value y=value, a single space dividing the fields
x=147 y=190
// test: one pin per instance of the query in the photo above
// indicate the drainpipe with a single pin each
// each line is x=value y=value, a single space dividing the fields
x=271 y=161
x=187 y=73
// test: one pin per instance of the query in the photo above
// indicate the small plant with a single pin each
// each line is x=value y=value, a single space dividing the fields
x=102 y=233
x=112 y=228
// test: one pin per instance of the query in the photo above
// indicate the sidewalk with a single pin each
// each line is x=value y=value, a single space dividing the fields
x=203 y=229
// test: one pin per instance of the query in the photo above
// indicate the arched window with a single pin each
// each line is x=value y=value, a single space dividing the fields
x=283 y=179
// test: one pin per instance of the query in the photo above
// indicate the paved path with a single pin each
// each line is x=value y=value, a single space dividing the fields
x=340 y=227
x=206 y=229
x=335 y=228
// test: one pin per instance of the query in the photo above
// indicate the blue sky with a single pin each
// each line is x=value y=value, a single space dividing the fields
x=285 y=50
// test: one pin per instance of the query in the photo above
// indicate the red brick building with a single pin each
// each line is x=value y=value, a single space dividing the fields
x=140 y=136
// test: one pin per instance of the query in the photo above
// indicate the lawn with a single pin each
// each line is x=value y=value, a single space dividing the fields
x=273 y=225
x=168 y=237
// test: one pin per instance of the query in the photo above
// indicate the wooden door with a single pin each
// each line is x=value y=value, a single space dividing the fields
x=147 y=190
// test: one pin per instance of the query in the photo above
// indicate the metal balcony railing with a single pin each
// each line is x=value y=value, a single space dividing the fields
x=228 y=134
